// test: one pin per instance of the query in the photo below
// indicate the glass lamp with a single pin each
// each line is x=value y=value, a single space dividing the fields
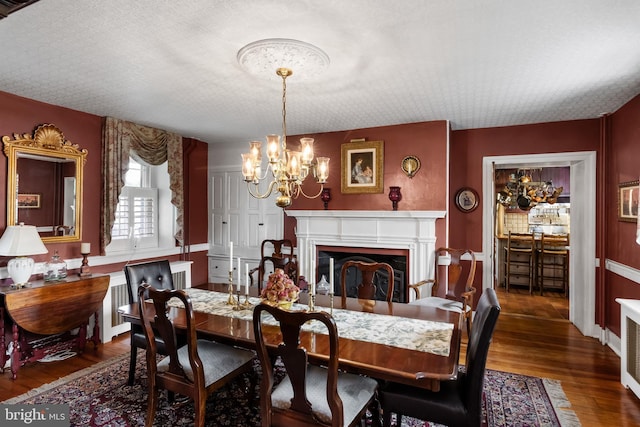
x=21 y=241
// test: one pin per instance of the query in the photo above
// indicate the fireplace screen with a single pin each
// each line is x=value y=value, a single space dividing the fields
x=397 y=262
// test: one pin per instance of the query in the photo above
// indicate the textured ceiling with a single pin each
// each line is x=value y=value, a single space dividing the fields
x=172 y=64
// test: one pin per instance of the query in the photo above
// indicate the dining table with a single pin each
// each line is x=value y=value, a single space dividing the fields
x=389 y=341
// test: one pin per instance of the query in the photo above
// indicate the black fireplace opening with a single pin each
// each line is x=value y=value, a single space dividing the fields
x=397 y=262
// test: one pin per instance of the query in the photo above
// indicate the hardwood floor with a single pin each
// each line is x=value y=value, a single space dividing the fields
x=533 y=337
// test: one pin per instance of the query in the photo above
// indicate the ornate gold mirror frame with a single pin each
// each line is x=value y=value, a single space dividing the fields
x=44 y=183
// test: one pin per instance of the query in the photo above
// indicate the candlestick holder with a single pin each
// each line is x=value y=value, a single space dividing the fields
x=238 y=306
x=231 y=300
x=85 y=270
x=331 y=303
x=246 y=304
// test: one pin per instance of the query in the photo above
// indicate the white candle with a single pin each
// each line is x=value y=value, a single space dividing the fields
x=311 y=261
x=330 y=275
x=246 y=278
x=312 y=275
x=239 y=275
x=85 y=248
x=230 y=256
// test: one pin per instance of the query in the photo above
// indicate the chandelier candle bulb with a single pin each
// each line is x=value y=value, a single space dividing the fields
x=322 y=171
x=307 y=150
x=85 y=248
x=273 y=148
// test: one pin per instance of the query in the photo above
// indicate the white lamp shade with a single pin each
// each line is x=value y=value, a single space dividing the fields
x=21 y=240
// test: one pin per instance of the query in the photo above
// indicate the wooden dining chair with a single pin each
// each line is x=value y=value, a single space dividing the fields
x=194 y=370
x=308 y=394
x=458 y=402
x=158 y=275
x=366 y=280
x=275 y=254
x=456 y=276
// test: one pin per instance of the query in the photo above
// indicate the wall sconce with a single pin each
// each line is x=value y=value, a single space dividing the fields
x=326 y=197
x=410 y=165
x=395 y=197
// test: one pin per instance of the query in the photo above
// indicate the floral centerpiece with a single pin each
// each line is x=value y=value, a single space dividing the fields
x=280 y=289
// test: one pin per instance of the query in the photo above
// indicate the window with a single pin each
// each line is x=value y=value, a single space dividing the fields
x=140 y=215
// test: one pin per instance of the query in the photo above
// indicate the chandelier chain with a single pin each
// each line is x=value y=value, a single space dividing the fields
x=284 y=111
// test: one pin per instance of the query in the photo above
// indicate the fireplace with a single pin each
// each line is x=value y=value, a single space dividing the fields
x=412 y=233
x=397 y=259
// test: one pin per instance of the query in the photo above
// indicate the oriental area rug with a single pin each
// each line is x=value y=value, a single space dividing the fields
x=98 y=396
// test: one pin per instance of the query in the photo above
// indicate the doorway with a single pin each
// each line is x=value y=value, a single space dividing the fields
x=583 y=226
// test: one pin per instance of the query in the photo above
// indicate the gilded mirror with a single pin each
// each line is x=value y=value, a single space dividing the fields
x=44 y=183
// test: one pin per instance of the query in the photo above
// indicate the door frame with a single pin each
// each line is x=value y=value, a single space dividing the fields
x=582 y=280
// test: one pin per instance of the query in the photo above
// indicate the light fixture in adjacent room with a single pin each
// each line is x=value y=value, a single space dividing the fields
x=288 y=167
x=523 y=192
x=21 y=241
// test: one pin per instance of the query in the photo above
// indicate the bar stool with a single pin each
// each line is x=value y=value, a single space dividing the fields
x=520 y=259
x=553 y=262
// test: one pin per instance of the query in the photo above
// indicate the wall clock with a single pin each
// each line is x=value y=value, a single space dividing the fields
x=466 y=199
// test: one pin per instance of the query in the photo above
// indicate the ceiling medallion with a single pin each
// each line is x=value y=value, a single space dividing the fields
x=261 y=57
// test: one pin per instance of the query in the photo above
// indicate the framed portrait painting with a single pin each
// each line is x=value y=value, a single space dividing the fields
x=628 y=195
x=362 y=167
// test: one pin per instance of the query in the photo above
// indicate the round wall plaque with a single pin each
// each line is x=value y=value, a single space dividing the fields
x=466 y=199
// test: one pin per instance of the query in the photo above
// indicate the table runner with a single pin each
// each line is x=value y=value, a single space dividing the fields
x=413 y=334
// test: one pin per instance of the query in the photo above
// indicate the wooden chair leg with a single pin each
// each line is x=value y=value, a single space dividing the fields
x=132 y=365
x=542 y=275
x=386 y=419
x=200 y=403
x=375 y=412
x=531 y=273
x=152 y=402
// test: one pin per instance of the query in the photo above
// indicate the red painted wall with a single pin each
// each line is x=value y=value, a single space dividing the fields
x=22 y=115
x=425 y=191
x=623 y=152
x=469 y=147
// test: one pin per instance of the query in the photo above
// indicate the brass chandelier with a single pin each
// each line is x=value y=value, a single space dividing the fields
x=288 y=167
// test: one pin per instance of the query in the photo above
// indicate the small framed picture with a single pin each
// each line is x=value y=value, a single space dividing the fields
x=628 y=201
x=466 y=199
x=361 y=169
x=28 y=201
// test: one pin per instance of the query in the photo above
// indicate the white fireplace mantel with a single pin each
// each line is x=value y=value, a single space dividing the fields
x=414 y=231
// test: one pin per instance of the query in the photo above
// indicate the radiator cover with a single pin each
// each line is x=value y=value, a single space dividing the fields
x=630 y=351
x=111 y=323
